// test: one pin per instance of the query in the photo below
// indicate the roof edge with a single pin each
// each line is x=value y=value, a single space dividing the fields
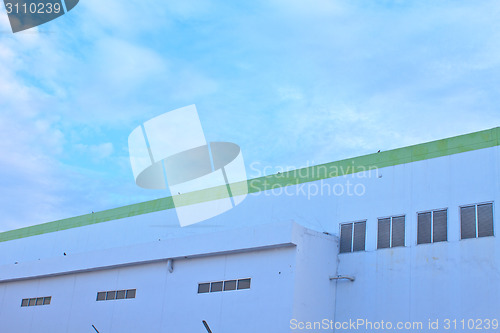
x=424 y=151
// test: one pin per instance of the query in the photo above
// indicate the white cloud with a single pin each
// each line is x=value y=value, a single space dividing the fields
x=290 y=81
x=58 y=97
x=97 y=153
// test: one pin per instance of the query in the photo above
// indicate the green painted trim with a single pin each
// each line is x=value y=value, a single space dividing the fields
x=450 y=146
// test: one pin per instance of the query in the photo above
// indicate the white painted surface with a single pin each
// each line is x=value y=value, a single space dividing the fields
x=457 y=279
x=275 y=257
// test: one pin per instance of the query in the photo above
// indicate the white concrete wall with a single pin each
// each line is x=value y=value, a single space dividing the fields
x=448 y=181
x=169 y=302
x=165 y=302
x=454 y=280
x=265 y=307
x=314 y=293
x=458 y=278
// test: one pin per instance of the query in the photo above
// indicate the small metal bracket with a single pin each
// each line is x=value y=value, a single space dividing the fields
x=343 y=277
x=170 y=265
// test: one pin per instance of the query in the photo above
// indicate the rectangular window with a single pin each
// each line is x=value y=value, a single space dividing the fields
x=485 y=220
x=110 y=295
x=391 y=232
x=352 y=236
x=440 y=225
x=216 y=287
x=358 y=242
x=345 y=237
x=424 y=232
x=243 y=284
x=476 y=221
x=114 y=294
x=384 y=233
x=398 y=231
x=120 y=294
x=203 y=288
x=35 y=301
x=432 y=226
x=229 y=285
x=131 y=293
x=468 y=222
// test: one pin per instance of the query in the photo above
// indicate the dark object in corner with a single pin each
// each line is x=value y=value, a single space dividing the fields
x=206 y=326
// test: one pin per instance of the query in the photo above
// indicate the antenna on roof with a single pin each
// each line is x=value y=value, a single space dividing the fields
x=95 y=328
x=207 y=327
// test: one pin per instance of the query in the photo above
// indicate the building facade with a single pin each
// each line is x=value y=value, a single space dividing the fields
x=397 y=240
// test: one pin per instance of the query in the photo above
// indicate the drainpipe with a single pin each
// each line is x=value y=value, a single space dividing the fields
x=336 y=278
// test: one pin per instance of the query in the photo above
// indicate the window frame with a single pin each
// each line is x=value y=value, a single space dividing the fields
x=236 y=286
x=230 y=288
x=216 y=285
x=121 y=294
x=204 y=284
x=110 y=295
x=130 y=293
x=352 y=235
x=475 y=205
x=104 y=295
x=35 y=301
x=432 y=225
x=391 y=218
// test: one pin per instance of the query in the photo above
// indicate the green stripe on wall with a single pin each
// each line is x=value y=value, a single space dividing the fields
x=424 y=151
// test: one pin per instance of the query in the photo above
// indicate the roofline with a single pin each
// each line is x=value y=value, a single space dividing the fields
x=271 y=236
x=110 y=265
x=424 y=151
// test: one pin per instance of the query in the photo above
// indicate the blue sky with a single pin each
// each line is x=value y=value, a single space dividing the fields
x=292 y=82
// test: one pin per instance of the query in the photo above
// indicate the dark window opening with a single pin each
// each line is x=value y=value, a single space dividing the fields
x=391 y=232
